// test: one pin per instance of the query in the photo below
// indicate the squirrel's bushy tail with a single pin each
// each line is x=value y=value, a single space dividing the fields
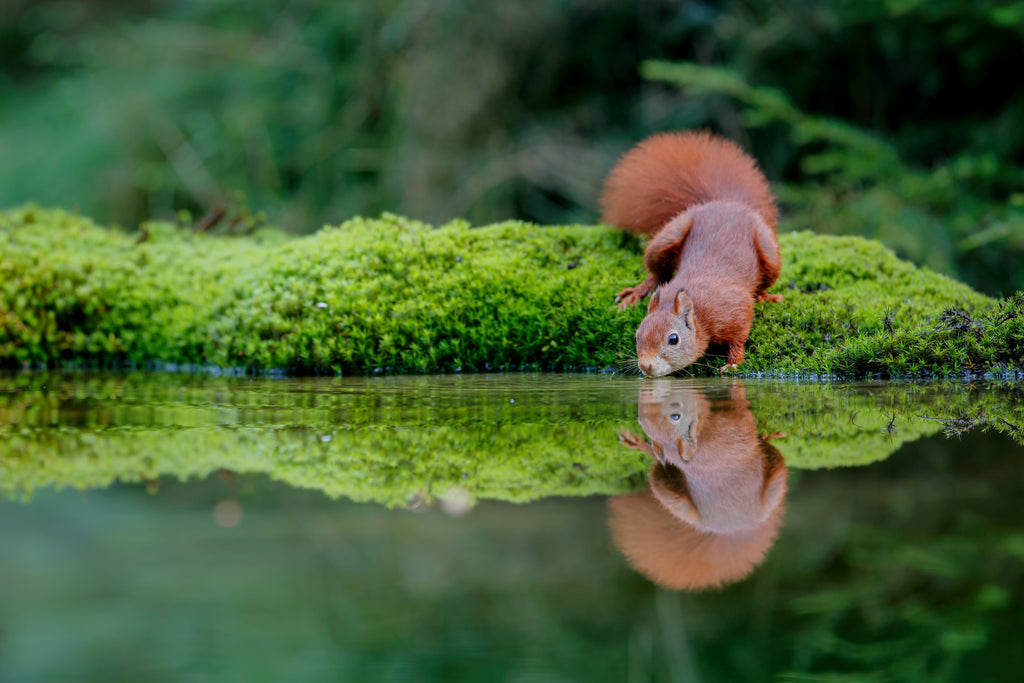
x=670 y=172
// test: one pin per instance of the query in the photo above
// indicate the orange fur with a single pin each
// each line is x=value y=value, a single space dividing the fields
x=713 y=252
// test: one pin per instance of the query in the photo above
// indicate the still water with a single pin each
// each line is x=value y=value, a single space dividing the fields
x=508 y=528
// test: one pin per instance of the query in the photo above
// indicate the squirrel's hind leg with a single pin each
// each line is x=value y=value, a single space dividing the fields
x=661 y=257
x=769 y=261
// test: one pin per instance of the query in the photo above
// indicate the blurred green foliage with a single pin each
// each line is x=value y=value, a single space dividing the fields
x=396 y=295
x=966 y=210
x=895 y=119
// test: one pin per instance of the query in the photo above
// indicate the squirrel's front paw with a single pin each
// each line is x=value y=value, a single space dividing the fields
x=631 y=295
x=628 y=297
x=774 y=298
x=630 y=440
x=728 y=367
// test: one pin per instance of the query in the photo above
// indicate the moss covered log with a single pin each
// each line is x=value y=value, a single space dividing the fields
x=406 y=439
x=394 y=295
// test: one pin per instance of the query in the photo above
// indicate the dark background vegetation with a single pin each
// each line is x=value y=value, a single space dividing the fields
x=900 y=120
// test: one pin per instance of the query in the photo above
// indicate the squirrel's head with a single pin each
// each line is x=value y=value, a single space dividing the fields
x=667 y=339
x=671 y=414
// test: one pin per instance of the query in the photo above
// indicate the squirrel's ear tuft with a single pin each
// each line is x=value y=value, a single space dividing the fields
x=682 y=304
x=655 y=300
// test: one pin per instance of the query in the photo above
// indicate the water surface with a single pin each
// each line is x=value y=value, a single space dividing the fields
x=166 y=527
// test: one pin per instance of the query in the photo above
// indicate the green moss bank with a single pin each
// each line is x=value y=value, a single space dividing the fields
x=395 y=295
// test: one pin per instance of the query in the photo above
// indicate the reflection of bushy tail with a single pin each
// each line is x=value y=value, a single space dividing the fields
x=675 y=555
x=670 y=172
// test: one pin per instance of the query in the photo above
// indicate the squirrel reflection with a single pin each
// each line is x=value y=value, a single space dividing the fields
x=715 y=501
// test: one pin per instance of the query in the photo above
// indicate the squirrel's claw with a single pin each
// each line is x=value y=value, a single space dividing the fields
x=765 y=436
x=728 y=367
x=631 y=295
x=632 y=441
x=628 y=297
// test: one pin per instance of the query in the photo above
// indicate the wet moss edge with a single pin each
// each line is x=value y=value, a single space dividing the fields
x=395 y=295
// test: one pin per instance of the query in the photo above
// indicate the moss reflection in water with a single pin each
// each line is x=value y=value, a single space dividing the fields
x=908 y=570
x=401 y=440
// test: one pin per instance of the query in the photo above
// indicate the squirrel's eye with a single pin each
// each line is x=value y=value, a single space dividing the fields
x=673 y=339
x=675 y=417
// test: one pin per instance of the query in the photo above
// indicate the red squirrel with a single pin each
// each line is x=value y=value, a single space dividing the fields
x=713 y=252
x=717 y=489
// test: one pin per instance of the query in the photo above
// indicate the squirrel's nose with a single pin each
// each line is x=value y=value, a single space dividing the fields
x=646 y=367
